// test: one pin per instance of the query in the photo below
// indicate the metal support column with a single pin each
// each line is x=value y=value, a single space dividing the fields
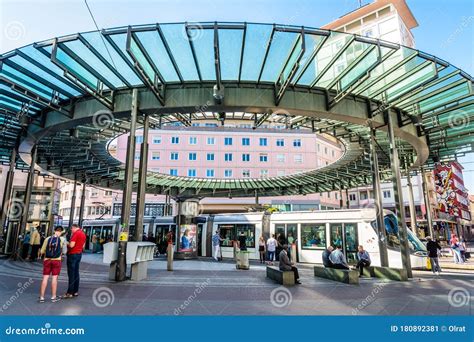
x=7 y=193
x=399 y=203
x=426 y=197
x=26 y=203
x=382 y=234
x=83 y=202
x=121 y=269
x=347 y=199
x=73 y=203
x=411 y=205
x=142 y=171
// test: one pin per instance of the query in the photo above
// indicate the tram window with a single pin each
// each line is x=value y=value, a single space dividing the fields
x=279 y=229
x=227 y=233
x=336 y=234
x=291 y=233
x=313 y=236
x=249 y=232
x=230 y=232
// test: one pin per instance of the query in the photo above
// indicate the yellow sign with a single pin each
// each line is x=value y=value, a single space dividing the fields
x=123 y=236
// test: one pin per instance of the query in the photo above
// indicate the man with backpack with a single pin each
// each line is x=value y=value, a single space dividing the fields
x=52 y=250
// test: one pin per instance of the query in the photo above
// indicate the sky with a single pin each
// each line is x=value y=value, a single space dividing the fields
x=446 y=27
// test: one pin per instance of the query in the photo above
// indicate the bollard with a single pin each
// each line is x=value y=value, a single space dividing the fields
x=169 y=253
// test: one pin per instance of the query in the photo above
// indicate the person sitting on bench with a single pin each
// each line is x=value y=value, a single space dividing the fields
x=364 y=259
x=338 y=259
x=327 y=252
x=286 y=265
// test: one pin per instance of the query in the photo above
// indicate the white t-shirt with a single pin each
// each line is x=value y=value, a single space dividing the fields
x=271 y=244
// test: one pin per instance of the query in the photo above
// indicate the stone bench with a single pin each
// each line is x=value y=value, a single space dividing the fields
x=387 y=273
x=343 y=276
x=282 y=277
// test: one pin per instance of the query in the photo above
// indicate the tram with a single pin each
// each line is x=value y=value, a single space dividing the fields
x=310 y=232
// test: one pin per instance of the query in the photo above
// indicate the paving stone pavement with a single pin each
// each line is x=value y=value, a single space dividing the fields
x=205 y=287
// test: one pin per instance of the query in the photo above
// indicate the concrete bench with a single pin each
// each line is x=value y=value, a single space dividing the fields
x=385 y=273
x=282 y=277
x=344 y=276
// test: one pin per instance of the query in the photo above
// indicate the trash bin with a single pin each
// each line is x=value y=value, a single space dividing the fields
x=242 y=260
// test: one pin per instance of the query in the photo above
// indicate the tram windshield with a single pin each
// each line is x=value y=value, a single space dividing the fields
x=393 y=237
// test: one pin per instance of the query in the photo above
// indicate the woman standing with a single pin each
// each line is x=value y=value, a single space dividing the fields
x=454 y=244
x=262 y=249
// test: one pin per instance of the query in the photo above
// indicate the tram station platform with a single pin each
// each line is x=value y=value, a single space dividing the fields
x=207 y=287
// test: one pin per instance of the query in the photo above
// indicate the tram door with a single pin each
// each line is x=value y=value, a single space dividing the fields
x=290 y=232
x=161 y=230
x=345 y=235
x=87 y=231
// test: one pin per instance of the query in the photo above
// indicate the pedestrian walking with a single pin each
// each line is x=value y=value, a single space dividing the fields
x=25 y=248
x=454 y=244
x=74 y=255
x=35 y=242
x=216 y=244
x=262 y=249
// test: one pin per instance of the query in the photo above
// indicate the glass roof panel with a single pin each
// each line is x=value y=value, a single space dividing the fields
x=312 y=42
x=108 y=52
x=121 y=41
x=95 y=63
x=26 y=81
x=256 y=42
x=280 y=49
x=340 y=64
x=360 y=68
x=230 y=47
x=43 y=74
x=153 y=44
x=203 y=41
x=446 y=96
x=411 y=82
x=175 y=35
x=142 y=60
x=77 y=69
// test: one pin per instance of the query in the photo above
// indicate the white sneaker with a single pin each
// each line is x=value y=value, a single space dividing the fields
x=437 y=272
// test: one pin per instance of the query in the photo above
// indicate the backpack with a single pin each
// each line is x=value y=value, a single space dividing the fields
x=53 y=249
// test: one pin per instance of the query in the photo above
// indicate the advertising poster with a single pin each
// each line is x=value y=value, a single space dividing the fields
x=187 y=238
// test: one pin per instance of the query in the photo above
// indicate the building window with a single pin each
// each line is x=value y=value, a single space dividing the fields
x=211 y=140
x=192 y=156
x=107 y=193
x=94 y=193
x=156 y=139
x=297 y=143
x=387 y=194
x=246 y=157
x=155 y=155
x=263 y=157
x=333 y=153
x=227 y=173
x=137 y=155
x=139 y=139
x=319 y=147
x=263 y=173
x=210 y=173
x=245 y=173
x=210 y=124
x=298 y=158
x=245 y=141
x=228 y=141
x=228 y=157
x=352 y=197
x=280 y=142
x=173 y=172
x=325 y=150
x=210 y=156
x=174 y=156
x=193 y=140
x=263 y=141
x=175 y=140
x=280 y=158
x=191 y=172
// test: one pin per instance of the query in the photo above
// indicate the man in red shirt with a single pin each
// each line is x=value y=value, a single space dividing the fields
x=74 y=255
